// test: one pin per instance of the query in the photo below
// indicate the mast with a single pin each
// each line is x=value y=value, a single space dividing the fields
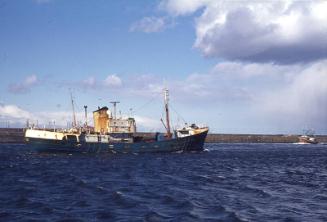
x=85 y=109
x=74 y=116
x=114 y=103
x=166 y=97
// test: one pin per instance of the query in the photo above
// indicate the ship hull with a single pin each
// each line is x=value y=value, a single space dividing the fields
x=188 y=143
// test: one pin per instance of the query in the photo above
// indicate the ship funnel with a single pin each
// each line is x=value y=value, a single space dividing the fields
x=101 y=120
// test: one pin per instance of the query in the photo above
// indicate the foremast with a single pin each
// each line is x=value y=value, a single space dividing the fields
x=73 y=107
x=166 y=99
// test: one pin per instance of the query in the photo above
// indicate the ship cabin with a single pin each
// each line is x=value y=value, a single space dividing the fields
x=187 y=131
x=106 y=123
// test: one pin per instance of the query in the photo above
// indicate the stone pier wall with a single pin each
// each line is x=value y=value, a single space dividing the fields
x=16 y=135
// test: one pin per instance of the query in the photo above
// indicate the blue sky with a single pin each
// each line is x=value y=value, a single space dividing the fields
x=239 y=67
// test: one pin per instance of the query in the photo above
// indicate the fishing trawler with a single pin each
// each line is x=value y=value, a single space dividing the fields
x=307 y=138
x=116 y=135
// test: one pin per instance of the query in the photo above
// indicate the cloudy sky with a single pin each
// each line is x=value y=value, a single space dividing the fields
x=237 y=66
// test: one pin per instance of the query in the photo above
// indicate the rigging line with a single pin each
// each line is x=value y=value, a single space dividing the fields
x=146 y=103
x=180 y=116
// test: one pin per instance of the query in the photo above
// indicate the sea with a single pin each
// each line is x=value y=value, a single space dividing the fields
x=226 y=182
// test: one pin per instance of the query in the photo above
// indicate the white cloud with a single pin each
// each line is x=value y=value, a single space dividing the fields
x=301 y=103
x=18 y=117
x=112 y=81
x=149 y=25
x=145 y=85
x=30 y=80
x=148 y=124
x=89 y=83
x=264 y=97
x=182 y=7
x=285 y=32
x=13 y=112
x=24 y=86
x=287 y=98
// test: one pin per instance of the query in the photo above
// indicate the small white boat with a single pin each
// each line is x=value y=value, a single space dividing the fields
x=305 y=139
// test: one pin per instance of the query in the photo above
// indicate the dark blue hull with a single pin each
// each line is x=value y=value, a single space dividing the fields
x=189 y=143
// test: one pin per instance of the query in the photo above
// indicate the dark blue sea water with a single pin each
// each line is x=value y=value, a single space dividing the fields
x=230 y=182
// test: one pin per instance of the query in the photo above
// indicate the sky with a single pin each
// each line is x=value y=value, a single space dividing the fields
x=237 y=66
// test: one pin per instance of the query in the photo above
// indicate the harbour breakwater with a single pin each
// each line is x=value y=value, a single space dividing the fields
x=16 y=135
x=12 y=135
